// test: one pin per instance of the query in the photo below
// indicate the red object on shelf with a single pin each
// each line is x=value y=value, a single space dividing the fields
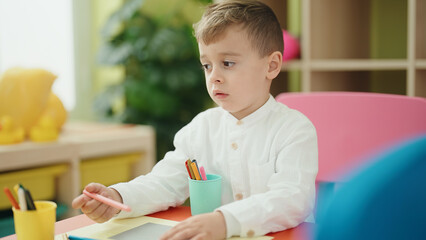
x=291 y=47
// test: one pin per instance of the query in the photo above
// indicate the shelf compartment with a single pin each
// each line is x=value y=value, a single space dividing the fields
x=420 y=29
x=354 y=81
x=391 y=81
x=388 y=29
x=338 y=29
x=347 y=29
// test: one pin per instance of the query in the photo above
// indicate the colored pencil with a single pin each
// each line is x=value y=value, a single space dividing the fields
x=107 y=201
x=29 y=199
x=203 y=173
x=195 y=170
x=191 y=172
x=11 y=198
x=22 y=200
x=187 y=169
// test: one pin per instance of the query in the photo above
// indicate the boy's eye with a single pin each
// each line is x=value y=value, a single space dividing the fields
x=228 y=64
x=206 y=66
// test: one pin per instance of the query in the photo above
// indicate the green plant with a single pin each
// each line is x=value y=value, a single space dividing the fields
x=164 y=85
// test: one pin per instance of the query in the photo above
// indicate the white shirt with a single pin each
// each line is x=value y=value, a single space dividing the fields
x=268 y=162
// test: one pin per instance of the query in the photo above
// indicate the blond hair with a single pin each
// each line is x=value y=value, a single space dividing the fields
x=256 y=18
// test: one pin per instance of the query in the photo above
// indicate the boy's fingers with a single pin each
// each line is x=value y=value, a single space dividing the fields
x=78 y=202
x=81 y=200
x=183 y=234
x=94 y=187
x=94 y=209
x=109 y=214
x=180 y=231
x=98 y=214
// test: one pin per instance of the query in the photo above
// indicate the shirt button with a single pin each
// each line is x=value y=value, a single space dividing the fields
x=239 y=122
x=238 y=196
x=234 y=146
x=250 y=233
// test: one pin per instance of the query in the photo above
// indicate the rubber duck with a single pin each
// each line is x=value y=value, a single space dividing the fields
x=45 y=130
x=8 y=133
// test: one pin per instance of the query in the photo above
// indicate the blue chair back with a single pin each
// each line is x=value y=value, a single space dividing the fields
x=384 y=200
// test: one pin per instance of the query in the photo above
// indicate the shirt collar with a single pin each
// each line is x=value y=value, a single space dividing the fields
x=256 y=115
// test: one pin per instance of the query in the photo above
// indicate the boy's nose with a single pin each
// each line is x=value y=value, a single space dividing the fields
x=215 y=76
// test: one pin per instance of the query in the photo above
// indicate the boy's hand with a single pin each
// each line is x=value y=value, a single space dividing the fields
x=95 y=210
x=203 y=226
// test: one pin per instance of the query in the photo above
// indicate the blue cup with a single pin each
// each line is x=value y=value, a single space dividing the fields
x=205 y=196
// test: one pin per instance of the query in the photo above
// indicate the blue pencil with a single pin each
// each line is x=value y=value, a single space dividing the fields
x=71 y=237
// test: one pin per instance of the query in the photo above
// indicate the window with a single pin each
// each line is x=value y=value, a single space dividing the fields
x=39 y=34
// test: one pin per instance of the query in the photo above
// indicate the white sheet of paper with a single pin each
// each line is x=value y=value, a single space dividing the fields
x=148 y=231
x=126 y=229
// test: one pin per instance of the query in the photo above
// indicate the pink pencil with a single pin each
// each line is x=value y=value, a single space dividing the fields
x=203 y=173
x=108 y=201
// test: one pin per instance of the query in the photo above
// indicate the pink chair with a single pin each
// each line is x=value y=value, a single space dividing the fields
x=352 y=127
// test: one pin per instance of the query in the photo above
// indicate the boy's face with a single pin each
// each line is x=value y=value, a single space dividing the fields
x=236 y=76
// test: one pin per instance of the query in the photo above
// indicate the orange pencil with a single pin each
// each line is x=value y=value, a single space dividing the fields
x=198 y=169
x=11 y=198
x=195 y=170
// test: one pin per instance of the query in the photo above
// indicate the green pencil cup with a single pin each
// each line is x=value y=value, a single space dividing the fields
x=205 y=196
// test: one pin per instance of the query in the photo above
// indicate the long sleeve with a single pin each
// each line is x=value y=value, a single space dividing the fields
x=165 y=186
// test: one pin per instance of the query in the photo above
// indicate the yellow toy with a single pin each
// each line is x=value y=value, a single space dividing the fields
x=26 y=97
x=55 y=110
x=45 y=130
x=9 y=134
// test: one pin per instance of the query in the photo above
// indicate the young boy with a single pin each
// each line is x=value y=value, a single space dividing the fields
x=265 y=152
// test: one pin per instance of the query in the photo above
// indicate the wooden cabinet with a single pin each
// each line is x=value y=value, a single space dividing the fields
x=355 y=45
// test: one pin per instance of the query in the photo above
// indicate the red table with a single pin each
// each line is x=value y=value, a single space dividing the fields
x=300 y=232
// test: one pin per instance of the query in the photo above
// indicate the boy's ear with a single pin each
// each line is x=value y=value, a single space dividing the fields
x=275 y=61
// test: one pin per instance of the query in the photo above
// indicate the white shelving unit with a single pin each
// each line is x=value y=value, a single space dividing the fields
x=355 y=45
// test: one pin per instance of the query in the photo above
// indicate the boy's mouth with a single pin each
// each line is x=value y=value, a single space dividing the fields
x=219 y=94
